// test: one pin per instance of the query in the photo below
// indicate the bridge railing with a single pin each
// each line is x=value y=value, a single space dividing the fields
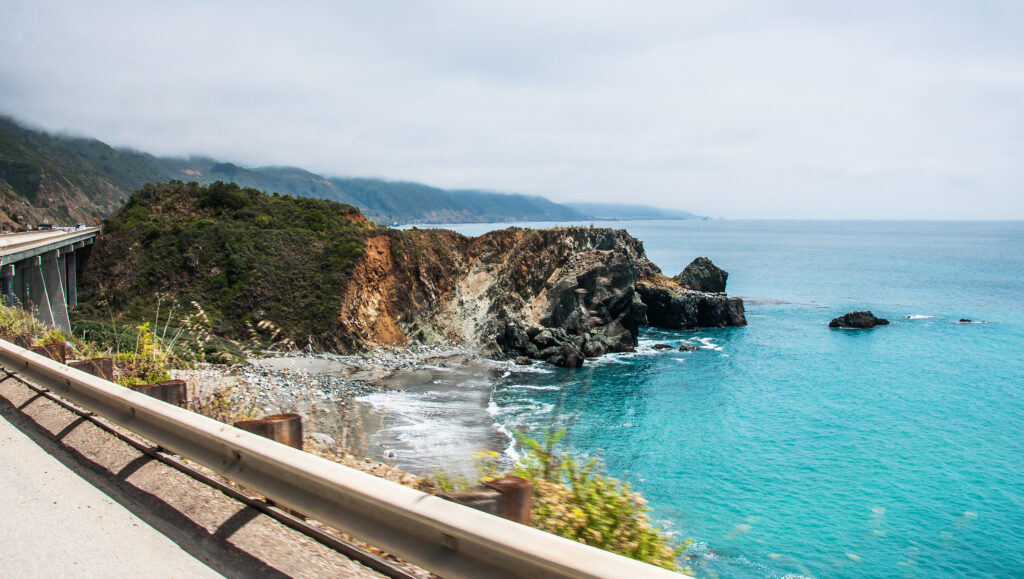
x=443 y=537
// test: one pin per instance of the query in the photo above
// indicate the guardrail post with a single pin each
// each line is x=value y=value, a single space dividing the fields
x=52 y=351
x=509 y=497
x=170 y=391
x=478 y=497
x=284 y=428
x=516 y=498
x=102 y=367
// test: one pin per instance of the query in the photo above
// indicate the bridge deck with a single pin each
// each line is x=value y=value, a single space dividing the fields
x=18 y=246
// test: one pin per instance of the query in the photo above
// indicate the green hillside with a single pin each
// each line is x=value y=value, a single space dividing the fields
x=71 y=179
x=244 y=258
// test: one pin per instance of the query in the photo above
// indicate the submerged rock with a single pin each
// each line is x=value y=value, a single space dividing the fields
x=702 y=275
x=688 y=348
x=662 y=347
x=857 y=320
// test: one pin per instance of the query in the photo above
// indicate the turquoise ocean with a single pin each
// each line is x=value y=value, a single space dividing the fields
x=785 y=448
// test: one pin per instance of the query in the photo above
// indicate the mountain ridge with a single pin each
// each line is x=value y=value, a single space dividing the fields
x=68 y=179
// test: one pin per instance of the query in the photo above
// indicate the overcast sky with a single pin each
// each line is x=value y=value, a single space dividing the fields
x=734 y=109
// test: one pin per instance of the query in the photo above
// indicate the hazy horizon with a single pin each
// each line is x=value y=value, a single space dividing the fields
x=735 y=110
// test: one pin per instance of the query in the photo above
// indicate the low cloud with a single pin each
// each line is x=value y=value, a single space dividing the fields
x=728 y=110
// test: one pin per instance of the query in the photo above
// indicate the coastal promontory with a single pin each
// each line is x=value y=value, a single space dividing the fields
x=318 y=275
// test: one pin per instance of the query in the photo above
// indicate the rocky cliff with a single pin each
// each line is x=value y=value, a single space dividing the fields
x=560 y=295
x=328 y=279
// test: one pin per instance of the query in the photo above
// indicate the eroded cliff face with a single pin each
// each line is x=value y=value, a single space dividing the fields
x=560 y=295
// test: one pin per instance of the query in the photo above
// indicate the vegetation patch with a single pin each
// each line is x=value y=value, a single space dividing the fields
x=252 y=263
x=576 y=499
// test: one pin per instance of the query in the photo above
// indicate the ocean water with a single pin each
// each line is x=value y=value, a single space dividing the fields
x=785 y=448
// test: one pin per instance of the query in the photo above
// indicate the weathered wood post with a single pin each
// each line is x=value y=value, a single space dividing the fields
x=102 y=367
x=284 y=428
x=516 y=498
x=52 y=351
x=170 y=391
x=509 y=497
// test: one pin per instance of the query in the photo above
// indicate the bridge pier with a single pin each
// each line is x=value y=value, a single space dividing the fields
x=7 y=284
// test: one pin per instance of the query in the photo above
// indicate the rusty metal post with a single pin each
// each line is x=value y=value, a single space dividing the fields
x=102 y=367
x=170 y=391
x=284 y=428
x=516 y=498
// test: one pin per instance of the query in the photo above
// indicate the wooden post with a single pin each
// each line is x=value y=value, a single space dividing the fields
x=169 y=391
x=516 y=498
x=478 y=497
x=52 y=351
x=284 y=428
x=102 y=367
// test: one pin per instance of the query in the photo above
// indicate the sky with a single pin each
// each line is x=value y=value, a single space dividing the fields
x=736 y=109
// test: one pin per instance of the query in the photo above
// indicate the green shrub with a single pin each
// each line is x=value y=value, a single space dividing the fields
x=577 y=500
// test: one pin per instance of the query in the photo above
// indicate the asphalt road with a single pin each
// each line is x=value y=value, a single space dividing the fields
x=55 y=524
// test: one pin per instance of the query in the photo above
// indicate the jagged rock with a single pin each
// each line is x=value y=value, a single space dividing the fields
x=672 y=307
x=861 y=319
x=661 y=347
x=559 y=295
x=523 y=361
x=703 y=276
x=688 y=348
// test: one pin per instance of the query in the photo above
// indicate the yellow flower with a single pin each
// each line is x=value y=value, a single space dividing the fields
x=577 y=512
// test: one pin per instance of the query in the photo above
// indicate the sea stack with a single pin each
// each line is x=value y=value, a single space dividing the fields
x=857 y=320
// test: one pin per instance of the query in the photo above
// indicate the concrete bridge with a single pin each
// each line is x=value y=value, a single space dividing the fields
x=39 y=271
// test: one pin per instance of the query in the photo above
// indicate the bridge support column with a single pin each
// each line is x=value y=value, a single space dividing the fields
x=72 y=274
x=54 y=277
x=7 y=284
x=34 y=288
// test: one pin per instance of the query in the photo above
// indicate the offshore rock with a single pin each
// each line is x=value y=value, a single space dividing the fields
x=857 y=320
x=703 y=276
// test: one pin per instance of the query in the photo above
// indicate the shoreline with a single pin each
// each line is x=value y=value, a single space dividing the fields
x=325 y=388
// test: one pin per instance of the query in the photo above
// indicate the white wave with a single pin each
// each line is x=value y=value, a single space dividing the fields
x=531 y=369
x=919 y=317
x=539 y=408
x=531 y=387
x=510 y=449
x=709 y=344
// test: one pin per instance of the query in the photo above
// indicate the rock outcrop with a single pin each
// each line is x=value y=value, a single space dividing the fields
x=672 y=307
x=703 y=276
x=560 y=295
x=857 y=320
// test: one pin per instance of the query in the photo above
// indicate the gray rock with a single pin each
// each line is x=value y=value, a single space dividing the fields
x=703 y=276
x=675 y=308
x=857 y=320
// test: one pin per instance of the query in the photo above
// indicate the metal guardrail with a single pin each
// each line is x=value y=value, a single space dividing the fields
x=443 y=537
